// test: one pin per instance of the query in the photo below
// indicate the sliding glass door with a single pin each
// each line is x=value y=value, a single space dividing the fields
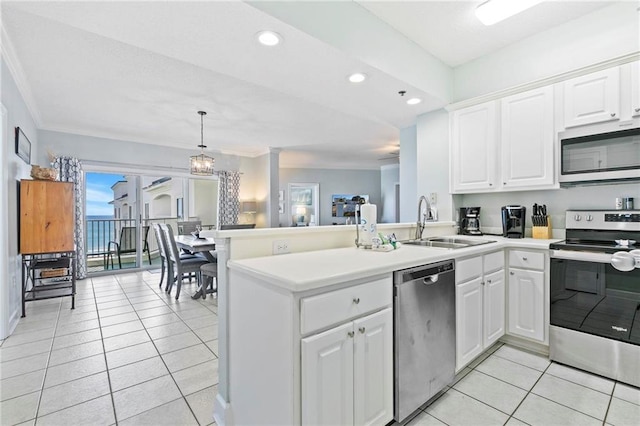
x=121 y=208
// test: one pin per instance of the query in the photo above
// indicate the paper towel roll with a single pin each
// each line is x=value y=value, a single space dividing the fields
x=368 y=225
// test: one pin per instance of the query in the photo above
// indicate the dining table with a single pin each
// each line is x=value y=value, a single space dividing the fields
x=206 y=246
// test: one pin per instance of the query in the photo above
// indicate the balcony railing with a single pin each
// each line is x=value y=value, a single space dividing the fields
x=99 y=232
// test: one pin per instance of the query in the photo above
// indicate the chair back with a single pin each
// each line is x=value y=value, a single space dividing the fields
x=186 y=228
x=170 y=244
x=160 y=239
x=129 y=240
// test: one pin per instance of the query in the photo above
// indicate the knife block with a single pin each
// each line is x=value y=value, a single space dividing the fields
x=542 y=232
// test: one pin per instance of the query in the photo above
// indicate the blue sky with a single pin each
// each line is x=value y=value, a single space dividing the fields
x=99 y=193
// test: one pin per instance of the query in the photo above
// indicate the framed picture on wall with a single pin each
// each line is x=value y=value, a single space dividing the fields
x=23 y=146
x=304 y=205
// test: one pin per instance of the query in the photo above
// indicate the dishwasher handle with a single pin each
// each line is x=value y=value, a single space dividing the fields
x=431 y=279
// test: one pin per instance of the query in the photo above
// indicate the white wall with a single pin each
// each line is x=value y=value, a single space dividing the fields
x=432 y=151
x=557 y=201
x=408 y=175
x=13 y=170
x=331 y=182
x=389 y=178
x=601 y=35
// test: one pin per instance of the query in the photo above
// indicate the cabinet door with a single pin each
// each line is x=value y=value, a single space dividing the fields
x=473 y=148
x=327 y=377
x=592 y=98
x=527 y=139
x=494 y=307
x=468 y=321
x=635 y=89
x=526 y=303
x=373 y=369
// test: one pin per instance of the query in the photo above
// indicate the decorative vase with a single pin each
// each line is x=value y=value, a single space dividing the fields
x=43 y=173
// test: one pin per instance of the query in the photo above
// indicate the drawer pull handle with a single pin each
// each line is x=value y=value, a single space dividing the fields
x=356 y=300
x=362 y=330
x=637 y=109
x=524 y=258
x=512 y=273
x=350 y=333
x=489 y=281
x=613 y=114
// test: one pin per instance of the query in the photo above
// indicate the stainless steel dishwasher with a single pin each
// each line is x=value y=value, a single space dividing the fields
x=424 y=334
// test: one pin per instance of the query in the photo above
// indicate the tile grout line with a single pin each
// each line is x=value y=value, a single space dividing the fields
x=104 y=354
x=163 y=362
x=606 y=413
x=44 y=378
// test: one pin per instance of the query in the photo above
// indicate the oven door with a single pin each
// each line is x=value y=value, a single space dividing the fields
x=590 y=296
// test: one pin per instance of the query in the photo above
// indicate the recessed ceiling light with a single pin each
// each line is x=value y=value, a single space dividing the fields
x=269 y=38
x=357 y=77
x=493 y=11
x=414 y=101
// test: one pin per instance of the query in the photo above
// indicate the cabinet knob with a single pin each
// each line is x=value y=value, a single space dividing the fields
x=482 y=282
x=350 y=333
x=489 y=281
x=524 y=258
x=361 y=330
x=356 y=300
x=613 y=114
x=504 y=183
x=512 y=273
x=490 y=184
x=637 y=110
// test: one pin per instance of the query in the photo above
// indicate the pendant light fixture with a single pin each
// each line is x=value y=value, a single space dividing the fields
x=201 y=164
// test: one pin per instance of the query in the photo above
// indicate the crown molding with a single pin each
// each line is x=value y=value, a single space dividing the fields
x=18 y=74
x=631 y=57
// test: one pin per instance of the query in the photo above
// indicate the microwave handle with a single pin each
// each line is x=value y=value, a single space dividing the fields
x=584 y=256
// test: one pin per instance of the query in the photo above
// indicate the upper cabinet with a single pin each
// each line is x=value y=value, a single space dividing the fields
x=473 y=148
x=635 y=89
x=504 y=145
x=527 y=137
x=592 y=98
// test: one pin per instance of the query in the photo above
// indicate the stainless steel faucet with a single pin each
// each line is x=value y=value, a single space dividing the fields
x=423 y=218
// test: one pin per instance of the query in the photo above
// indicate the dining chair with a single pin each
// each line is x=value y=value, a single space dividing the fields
x=167 y=270
x=179 y=266
x=187 y=227
x=127 y=243
x=209 y=273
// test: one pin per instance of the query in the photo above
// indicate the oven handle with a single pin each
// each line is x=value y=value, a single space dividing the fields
x=584 y=256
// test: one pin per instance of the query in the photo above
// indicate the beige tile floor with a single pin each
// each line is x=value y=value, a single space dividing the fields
x=511 y=386
x=128 y=354
x=131 y=355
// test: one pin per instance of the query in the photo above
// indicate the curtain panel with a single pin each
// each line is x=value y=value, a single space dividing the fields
x=70 y=170
x=229 y=198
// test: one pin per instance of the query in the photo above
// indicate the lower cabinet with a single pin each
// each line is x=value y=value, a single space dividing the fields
x=526 y=303
x=480 y=305
x=347 y=373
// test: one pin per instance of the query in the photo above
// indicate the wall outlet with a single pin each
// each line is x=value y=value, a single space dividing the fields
x=433 y=198
x=281 y=247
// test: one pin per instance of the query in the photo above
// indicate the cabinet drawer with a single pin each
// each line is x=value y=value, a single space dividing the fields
x=330 y=308
x=468 y=268
x=493 y=261
x=526 y=259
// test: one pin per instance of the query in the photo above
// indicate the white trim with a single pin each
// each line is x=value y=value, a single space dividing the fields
x=134 y=169
x=544 y=82
x=19 y=76
x=5 y=308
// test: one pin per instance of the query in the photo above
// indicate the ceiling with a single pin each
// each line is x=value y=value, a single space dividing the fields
x=139 y=71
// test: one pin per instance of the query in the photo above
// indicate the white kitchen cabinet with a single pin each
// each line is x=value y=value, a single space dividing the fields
x=480 y=305
x=635 y=89
x=526 y=295
x=592 y=98
x=473 y=148
x=347 y=373
x=527 y=139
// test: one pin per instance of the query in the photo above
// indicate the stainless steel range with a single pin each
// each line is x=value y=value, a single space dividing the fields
x=595 y=294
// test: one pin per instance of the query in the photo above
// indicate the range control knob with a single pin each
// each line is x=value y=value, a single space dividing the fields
x=589 y=218
x=577 y=218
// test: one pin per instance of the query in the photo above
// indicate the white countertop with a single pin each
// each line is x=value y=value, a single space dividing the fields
x=315 y=269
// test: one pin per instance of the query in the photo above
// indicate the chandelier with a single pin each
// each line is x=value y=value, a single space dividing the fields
x=201 y=164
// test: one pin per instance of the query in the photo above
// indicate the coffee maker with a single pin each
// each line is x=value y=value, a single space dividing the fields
x=470 y=221
x=513 y=221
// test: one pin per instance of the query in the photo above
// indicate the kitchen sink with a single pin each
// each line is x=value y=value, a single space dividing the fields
x=448 y=242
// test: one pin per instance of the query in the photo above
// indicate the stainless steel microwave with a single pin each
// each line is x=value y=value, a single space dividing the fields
x=612 y=156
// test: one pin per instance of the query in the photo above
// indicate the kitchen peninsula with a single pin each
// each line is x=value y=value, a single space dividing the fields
x=274 y=304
